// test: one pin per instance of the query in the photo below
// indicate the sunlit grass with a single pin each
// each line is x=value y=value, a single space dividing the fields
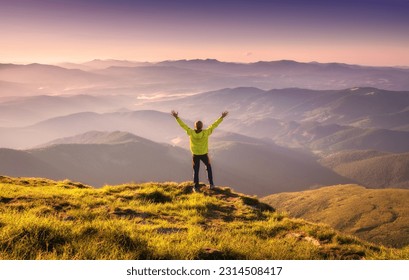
x=375 y=215
x=44 y=219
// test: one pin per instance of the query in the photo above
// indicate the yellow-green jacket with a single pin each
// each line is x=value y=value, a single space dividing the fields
x=199 y=141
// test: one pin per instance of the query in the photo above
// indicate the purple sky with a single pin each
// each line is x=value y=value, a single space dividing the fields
x=369 y=32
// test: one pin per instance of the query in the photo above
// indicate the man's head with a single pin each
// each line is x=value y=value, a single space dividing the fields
x=198 y=125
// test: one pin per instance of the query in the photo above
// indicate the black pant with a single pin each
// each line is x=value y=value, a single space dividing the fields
x=196 y=167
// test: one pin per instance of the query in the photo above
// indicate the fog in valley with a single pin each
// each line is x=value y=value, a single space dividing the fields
x=291 y=126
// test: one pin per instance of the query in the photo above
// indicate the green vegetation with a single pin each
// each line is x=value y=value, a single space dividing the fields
x=376 y=215
x=44 y=219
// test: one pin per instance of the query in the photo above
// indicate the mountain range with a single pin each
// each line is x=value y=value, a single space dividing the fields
x=87 y=157
x=359 y=107
x=49 y=78
x=254 y=166
x=287 y=73
x=193 y=76
x=327 y=142
x=292 y=117
x=26 y=111
x=320 y=121
x=245 y=147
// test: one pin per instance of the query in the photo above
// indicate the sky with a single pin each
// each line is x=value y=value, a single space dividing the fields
x=365 y=32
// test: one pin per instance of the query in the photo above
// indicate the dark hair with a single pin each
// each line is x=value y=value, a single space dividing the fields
x=198 y=125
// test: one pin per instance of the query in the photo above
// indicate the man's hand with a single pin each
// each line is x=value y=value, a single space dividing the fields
x=224 y=114
x=175 y=114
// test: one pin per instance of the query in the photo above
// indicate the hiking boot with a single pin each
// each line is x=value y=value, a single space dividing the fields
x=211 y=187
x=196 y=188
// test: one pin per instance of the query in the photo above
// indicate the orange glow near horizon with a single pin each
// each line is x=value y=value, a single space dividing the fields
x=58 y=47
x=73 y=31
x=77 y=52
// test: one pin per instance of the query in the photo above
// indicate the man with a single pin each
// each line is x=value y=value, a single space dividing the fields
x=199 y=139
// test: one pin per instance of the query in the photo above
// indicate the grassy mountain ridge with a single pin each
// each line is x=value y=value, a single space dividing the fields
x=372 y=169
x=376 y=215
x=45 y=219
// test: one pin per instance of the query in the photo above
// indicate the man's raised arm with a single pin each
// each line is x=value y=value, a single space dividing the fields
x=217 y=122
x=180 y=122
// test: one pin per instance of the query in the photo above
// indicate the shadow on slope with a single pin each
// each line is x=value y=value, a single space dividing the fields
x=371 y=168
x=251 y=165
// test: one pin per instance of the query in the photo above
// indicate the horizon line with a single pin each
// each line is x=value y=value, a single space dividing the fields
x=193 y=59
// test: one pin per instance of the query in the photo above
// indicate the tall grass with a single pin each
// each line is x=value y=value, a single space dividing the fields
x=43 y=219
